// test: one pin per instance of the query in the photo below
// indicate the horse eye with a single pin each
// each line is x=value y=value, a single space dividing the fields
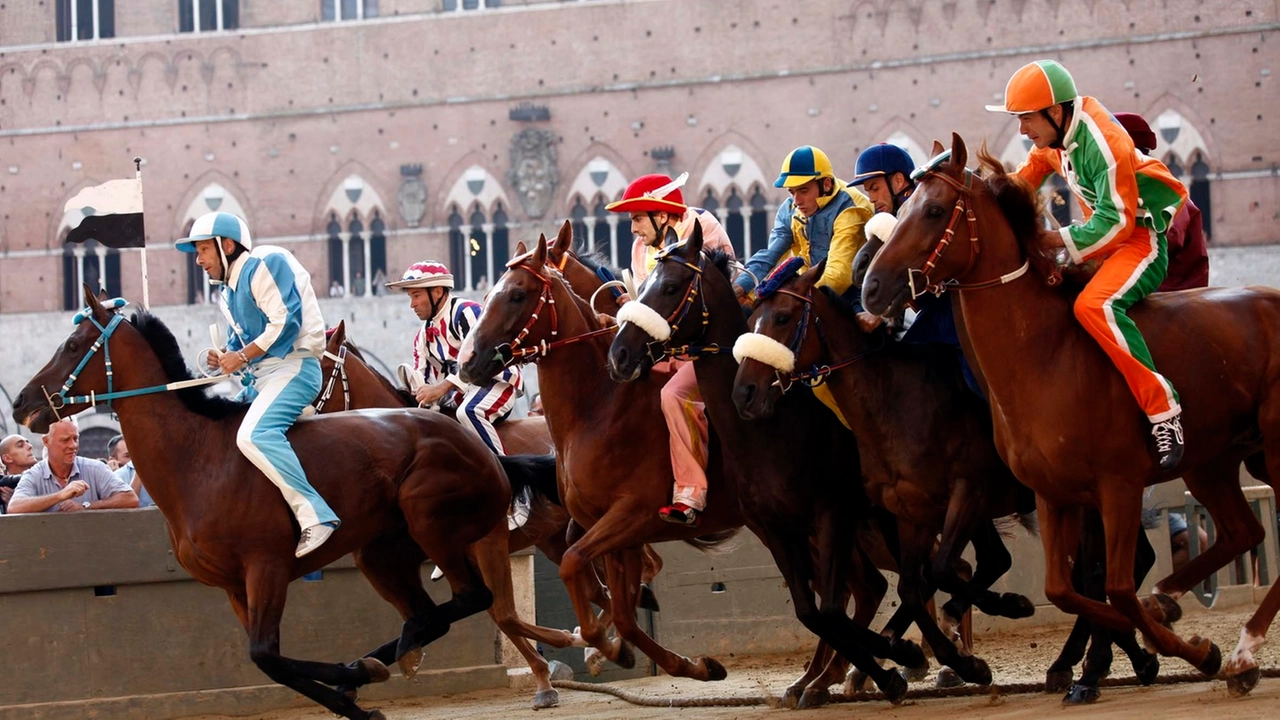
x=781 y=318
x=517 y=296
x=669 y=289
x=934 y=211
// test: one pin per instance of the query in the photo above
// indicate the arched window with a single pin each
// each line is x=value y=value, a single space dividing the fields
x=577 y=216
x=478 y=276
x=457 y=246
x=600 y=233
x=355 y=258
x=1175 y=167
x=1198 y=191
x=761 y=223
x=501 y=242
x=336 y=276
x=733 y=222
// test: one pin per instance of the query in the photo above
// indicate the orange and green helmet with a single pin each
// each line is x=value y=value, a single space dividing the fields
x=1036 y=86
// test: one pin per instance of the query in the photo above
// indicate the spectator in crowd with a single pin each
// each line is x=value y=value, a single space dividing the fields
x=379 y=281
x=17 y=456
x=358 y=281
x=336 y=290
x=121 y=462
x=66 y=482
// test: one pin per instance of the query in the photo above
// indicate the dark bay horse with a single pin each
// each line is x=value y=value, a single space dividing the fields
x=947 y=479
x=611 y=446
x=797 y=471
x=390 y=476
x=1066 y=423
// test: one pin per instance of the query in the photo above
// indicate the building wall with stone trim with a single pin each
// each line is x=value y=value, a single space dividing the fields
x=282 y=113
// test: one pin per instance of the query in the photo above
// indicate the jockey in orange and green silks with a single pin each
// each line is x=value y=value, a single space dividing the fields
x=1129 y=200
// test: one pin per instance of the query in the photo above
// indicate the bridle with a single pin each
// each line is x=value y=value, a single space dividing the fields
x=62 y=398
x=692 y=294
x=339 y=371
x=512 y=352
x=963 y=207
x=816 y=374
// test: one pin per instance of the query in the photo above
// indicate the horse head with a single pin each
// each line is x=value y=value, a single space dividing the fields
x=779 y=343
x=519 y=318
x=914 y=258
x=661 y=317
x=78 y=368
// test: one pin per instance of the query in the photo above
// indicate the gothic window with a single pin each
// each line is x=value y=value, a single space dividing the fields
x=88 y=264
x=1175 y=167
x=457 y=245
x=600 y=234
x=761 y=221
x=710 y=203
x=334 y=231
x=378 y=253
x=355 y=258
x=734 y=223
x=501 y=242
x=348 y=9
x=208 y=15
x=1198 y=191
x=85 y=20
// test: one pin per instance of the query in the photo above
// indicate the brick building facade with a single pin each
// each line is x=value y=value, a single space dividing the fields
x=366 y=134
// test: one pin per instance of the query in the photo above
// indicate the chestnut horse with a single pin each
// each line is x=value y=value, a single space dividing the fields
x=1065 y=421
x=797 y=471
x=390 y=476
x=611 y=446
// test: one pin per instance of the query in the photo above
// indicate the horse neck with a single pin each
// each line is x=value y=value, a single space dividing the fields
x=716 y=372
x=369 y=389
x=869 y=379
x=1015 y=330
x=572 y=378
x=166 y=439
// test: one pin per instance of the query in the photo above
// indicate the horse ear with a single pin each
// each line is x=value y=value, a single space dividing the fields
x=693 y=246
x=959 y=155
x=540 y=252
x=95 y=306
x=564 y=239
x=811 y=276
x=937 y=149
x=520 y=249
x=339 y=333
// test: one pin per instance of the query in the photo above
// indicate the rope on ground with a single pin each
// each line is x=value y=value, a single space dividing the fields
x=920 y=694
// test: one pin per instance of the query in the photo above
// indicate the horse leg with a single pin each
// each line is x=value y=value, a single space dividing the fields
x=792 y=555
x=495 y=568
x=914 y=589
x=616 y=529
x=1242 y=668
x=652 y=565
x=1215 y=487
x=867 y=587
x=1121 y=506
x=993 y=561
x=260 y=609
x=815 y=668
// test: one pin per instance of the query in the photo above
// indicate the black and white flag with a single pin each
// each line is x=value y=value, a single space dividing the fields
x=110 y=213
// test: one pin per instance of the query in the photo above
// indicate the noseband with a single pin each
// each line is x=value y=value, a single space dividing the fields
x=512 y=353
x=816 y=374
x=339 y=371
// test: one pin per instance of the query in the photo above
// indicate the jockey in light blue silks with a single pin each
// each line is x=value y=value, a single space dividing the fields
x=276 y=335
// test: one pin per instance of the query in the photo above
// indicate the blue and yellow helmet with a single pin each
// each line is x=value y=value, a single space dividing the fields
x=803 y=164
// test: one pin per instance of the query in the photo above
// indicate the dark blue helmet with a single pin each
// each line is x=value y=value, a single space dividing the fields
x=882 y=160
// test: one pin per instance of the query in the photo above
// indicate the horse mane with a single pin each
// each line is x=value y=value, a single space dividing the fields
x=404 y=395
x=165 y=346
x=1019 y=202
x=596 y=260
x=721 y=259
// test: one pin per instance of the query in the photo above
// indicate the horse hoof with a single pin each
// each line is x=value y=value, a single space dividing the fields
x=791 y=696
x=948 y=678
x=1149 y=670
x=978 y=672
x=1016 y=606
x=1081 y=695
x=559 y=670
x=917 y=673
x=907 y=653
x=715 y=671
x=377 y=671
x=626 y=656
x=375 y=715
x=648 y=601
x=1166 y=610
x=594 y=660
x=895 y=687
x=1213 y=661
x=1055 y=681
x=1239 y=685
x=546 y=699
x=409 y=663
x=814 y=697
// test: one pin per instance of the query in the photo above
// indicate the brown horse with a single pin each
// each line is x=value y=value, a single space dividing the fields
x=949 y=479
x=1065 y=421
x=390 y=476
x=362 y=387
x=796 y=471
x=611 y=445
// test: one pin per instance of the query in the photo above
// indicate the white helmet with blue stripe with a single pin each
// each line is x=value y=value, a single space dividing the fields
x=215 y=225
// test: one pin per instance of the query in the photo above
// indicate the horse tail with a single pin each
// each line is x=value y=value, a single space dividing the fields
x=536 y=472
x=708 y=543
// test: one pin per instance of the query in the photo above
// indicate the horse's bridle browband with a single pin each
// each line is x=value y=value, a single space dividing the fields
x=511 y=353
x=963 y=191
x=816 y=374
x=339 y=371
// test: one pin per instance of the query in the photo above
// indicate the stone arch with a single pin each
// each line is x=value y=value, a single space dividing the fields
x=473 y=184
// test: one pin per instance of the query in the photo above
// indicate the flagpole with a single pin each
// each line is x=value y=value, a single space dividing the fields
x=146 y=291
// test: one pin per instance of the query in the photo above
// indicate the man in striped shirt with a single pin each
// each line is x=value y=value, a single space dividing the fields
x=1129 y=201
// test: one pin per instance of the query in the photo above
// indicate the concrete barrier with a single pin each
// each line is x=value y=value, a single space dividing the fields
x=97 y=619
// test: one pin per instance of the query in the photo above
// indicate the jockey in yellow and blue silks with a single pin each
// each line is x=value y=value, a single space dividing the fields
x=822 y=220
x=275 y=334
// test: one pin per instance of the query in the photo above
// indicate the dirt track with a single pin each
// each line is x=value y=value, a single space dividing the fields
x=1015 y=657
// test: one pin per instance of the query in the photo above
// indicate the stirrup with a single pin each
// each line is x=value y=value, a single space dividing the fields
x=679 y=514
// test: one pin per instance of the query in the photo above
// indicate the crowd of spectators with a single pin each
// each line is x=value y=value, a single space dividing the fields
x=64 y=481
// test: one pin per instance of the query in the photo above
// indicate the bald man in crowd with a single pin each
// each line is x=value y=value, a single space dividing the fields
x=16 y=456
x=66 y=482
